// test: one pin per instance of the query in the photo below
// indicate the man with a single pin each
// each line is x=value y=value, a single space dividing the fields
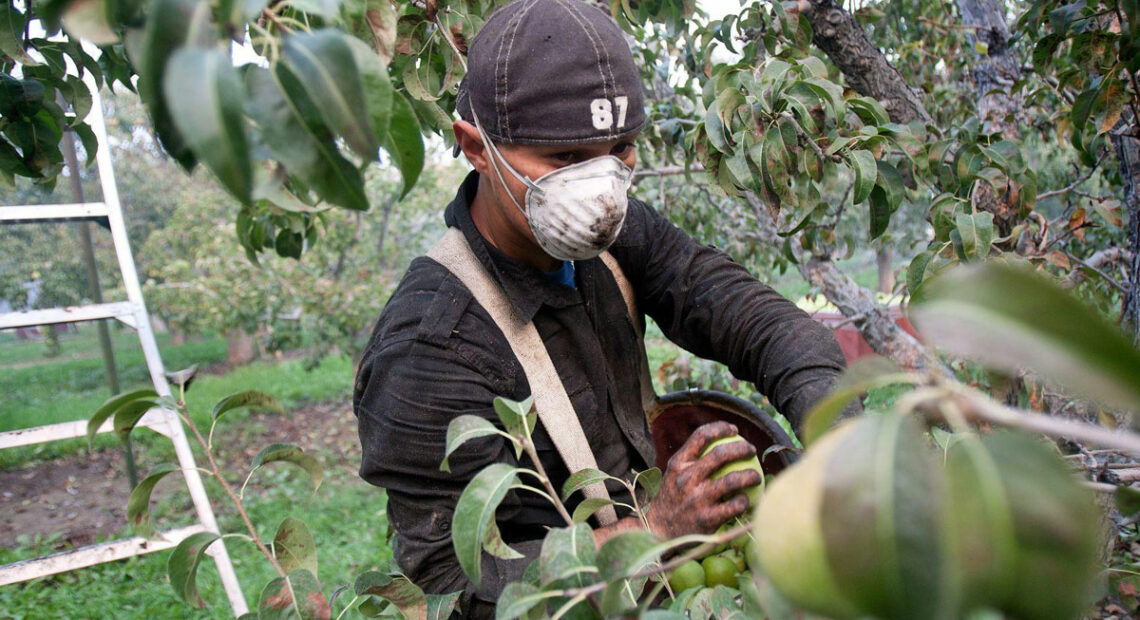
x=550 y=109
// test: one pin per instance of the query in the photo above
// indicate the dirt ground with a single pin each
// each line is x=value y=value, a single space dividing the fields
x=79 y=498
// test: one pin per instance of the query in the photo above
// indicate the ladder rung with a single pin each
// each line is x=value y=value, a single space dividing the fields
x=92 y=555
x=39 y=213
x=122 y=310
x=70 y=430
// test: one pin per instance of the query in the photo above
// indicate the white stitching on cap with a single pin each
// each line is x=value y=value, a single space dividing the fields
x=506 y=128
x=593 y=42
x=609 y=69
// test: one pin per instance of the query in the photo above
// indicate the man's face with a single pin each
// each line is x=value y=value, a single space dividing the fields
x=536 y=161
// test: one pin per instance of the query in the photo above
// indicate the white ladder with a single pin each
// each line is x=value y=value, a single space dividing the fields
x=161 y=420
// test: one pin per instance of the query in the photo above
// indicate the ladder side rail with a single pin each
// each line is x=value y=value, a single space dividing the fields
x=151 y=353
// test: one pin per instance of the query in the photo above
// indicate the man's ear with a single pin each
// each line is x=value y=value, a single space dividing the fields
x=471 y=143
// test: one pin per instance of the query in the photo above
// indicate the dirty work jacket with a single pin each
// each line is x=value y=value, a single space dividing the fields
x=435 y=354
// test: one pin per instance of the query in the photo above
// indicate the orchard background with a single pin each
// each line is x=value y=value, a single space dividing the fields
x=846 y=152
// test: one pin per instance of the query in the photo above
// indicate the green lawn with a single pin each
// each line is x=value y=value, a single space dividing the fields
x=346 y=515
x=72 y=385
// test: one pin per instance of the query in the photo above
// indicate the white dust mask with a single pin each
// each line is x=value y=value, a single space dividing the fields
x=577 y=211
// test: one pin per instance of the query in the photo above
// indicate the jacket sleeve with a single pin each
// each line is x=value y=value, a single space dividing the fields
x=713 y=307
x=410 y=385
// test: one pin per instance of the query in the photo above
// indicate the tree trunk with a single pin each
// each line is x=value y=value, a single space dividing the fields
x=1128 y=152
x=853 y=301
x=241 y=348
x=867 y=70
x=884 y=260
x=994 y=74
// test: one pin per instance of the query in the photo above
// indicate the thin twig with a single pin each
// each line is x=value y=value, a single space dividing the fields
x=804 y=134
x=271 y=16
x=981 y=409
x=185 y=415
x=1107 y=278
x=1073 y=186
x=528 y=447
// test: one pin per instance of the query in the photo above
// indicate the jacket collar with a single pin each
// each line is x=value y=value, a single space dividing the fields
x=527 y=288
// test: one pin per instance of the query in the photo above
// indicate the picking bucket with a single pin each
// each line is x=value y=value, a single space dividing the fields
x=673 y=417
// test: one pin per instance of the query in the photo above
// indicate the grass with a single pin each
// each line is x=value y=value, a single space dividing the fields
x=346 y=516
x=45 y=390
x=70 y=387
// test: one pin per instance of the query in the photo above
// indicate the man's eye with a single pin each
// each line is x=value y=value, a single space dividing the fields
x=621 y=150
x=565 y=157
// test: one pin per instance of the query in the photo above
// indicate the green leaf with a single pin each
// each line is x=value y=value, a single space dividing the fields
x=12 y=23
x=977 y=233
x=167 y=28
x=460 y=431
x=182 y=378
x=493 y=543
x=916 y=272
x=869 y=110
x=1013 y=318
x=323 y=63
x=518 y=417
x=650 y=480
x=397 y=590
x=620 y=598
x=900 y=505
x=88 y=140
x=294 y=547
x=381 y=18
x=296 y=138
x=205 y=97
x=517 y=599
x=370 y=582
x=568 y=557
x=627 y=553
x=1127 y=501
x=866 y=173
x=404 y=142
x=589 y=506
x=138 y=504
x=864 y=374
x=89 y=20
x=582 y=479
x=886 y=197
x=182 y=567
x=776 y=166
x=248 y=398
x=112 y=405
x=128 y=416
x=475 y=508
x=289 y=453
x=440 y=606
x=296 y=596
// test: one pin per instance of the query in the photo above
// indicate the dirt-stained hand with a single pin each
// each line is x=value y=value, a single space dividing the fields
x=691 y=503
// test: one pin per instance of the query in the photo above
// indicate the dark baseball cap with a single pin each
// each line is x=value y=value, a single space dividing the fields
x=552 y=72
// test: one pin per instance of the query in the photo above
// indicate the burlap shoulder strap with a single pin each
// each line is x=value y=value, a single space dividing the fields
x=551 y=401
x=647 y=394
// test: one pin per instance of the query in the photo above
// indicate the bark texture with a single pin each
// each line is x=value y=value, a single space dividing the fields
x=997 y=68
x=1128 y=153
x=994 y=74
x=867 y=70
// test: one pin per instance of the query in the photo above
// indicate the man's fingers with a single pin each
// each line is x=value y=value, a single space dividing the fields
x=728 y=452
x=702 y=437
x=720 y=513
x=735 y=482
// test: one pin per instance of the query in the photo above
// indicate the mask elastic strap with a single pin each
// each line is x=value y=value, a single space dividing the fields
x=496 y=154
